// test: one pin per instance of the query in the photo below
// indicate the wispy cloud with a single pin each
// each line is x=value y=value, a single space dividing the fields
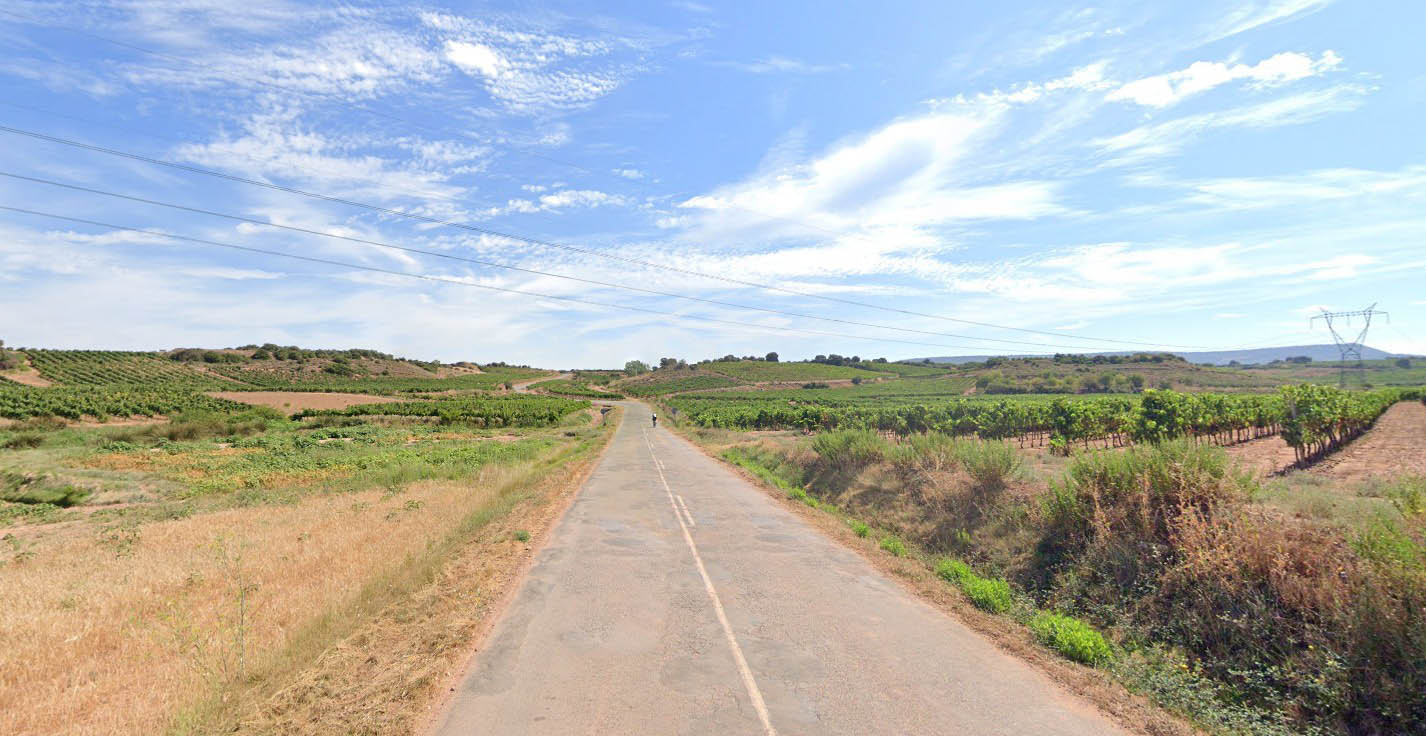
x=781 y=65
x=1163 y=90
x=1162 y=139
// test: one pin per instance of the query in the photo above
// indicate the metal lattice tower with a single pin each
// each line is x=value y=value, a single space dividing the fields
x=1349 y=350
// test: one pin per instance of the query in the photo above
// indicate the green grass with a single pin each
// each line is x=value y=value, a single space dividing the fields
x=861 y=529
x=893 y=546
x=521 y=535
x=1072 y=638
x=988 y=594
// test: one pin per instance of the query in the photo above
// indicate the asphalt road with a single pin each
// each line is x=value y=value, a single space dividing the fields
x=675 y=598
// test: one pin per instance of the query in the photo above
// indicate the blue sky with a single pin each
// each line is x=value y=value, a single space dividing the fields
x=1208 y=174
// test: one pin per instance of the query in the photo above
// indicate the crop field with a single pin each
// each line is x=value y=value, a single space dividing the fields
x=183 y=564
x=757 y=371
x=664 y=385
x=567 y=387
x=107 y=367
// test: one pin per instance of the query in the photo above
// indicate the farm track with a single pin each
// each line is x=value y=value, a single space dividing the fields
x=1396 y=444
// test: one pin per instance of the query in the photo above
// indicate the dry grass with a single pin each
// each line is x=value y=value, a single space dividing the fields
x=115 y=630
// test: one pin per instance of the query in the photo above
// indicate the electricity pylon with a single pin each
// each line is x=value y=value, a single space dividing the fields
x=1353 y=349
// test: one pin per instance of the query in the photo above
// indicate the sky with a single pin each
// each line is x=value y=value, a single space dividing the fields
x=582 y=184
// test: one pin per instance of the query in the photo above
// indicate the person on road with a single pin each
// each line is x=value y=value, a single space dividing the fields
x=656 y=420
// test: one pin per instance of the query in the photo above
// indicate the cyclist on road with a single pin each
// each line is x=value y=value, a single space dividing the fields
x=656 y=420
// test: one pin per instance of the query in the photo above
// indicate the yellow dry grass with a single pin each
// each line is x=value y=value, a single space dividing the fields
x=114 y=631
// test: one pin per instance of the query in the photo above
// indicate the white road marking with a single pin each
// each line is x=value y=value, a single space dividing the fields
x=743 y=669
x=689 y=514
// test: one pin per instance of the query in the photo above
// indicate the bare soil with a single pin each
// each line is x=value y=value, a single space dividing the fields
x=1395 y=445
x=294 y=401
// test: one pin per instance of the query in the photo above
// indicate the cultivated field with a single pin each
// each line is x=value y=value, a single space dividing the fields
x=187 y=573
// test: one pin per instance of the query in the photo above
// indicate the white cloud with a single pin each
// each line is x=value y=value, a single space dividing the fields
x=1249 y=14
x=479 y=58
x=629 y=173
x=1396 y=187
x=1164 y=90
x=1161 y=139
x=782 y=65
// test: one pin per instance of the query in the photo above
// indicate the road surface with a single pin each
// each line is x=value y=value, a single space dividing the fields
x=675 y=598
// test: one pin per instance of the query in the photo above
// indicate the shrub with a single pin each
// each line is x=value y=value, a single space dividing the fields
x=23 y=441
x=849 y=449
x=953 y=571
x=895 y=547
x=990 y=463
x=521 y=535
x=860 y=528
x=1072 y=638
x=988 y=594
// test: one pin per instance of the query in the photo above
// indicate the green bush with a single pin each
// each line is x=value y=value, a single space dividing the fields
x=849 y=449
x=23 y=441
x=988 y=594
x=990 y=463
x=953 y=571
x=893 y=546
x=1072 y=638
x=860 y=528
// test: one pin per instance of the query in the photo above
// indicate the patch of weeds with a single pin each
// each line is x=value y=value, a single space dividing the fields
x=860 y=528
x=1171 y=683
x=120 y=540
x=23 y=441
x=954 y=571
x=988 y=594
x=893 y=546
x=1072 y=638
x=521 y=535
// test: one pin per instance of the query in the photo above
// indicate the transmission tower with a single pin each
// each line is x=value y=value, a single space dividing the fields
x=1353 y=349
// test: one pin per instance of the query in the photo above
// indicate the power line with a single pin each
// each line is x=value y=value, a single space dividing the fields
x=492 y=264
x=458 y=282
x=550 y=244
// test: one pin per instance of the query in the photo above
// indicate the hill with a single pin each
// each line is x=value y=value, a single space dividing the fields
x=1248 y=356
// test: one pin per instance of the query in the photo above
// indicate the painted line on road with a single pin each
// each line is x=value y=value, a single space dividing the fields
x=743 y=669
x=689 y=514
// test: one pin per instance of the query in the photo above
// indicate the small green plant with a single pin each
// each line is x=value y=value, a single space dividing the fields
x=23 y=441
x=988 y=594
x=893 y=546
x=1072 y=638
x=953 y=571
x=521 y=535
x=860 y=528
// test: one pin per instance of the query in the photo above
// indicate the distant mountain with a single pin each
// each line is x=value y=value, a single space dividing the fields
x=1317 y=353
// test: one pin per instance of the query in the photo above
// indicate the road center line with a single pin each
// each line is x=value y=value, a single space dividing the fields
x=743 y=668
x=686 y=513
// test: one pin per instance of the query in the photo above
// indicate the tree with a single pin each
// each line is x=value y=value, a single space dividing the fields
x=1136 y=382
x=771 y=357
x=635 y=367
x=1400 y=362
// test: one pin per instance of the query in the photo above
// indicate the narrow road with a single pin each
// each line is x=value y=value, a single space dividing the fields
x=675 y=598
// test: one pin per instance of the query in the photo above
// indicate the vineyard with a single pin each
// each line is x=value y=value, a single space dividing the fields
x=1312 y=419
x=565 y=387
x=102 y=402
x=756 y=371
x=109 y=367
x=663 y=386
x=494 y=411
x=493 y=378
